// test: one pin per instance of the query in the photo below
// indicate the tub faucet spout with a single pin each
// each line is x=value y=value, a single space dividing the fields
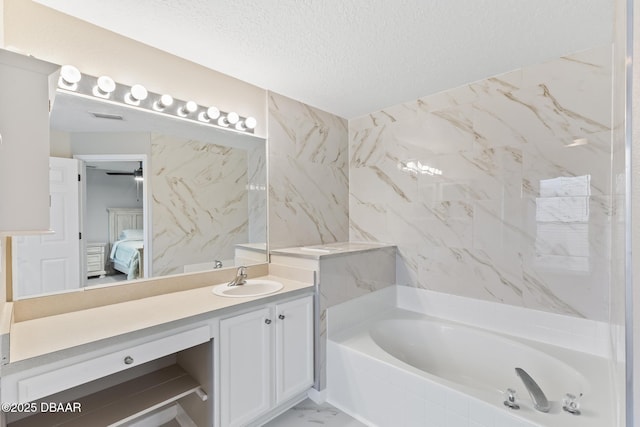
x=540 y=401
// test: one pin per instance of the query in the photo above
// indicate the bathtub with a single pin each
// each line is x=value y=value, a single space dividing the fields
x=402 y=368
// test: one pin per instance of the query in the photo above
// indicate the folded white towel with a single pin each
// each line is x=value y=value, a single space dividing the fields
x=562 y=209
x=562 y=239
x=566 y=186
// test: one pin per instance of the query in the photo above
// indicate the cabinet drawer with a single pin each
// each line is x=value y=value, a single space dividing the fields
x=94 y=259
x=45 y=384
x=95 y=249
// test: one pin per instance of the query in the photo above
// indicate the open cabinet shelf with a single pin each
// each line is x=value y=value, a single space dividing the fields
x=124 y=402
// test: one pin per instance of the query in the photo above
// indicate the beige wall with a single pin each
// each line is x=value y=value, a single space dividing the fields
x=50 y=35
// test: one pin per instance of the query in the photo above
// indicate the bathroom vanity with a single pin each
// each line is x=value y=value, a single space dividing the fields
x=166 y=349
x=189 y=356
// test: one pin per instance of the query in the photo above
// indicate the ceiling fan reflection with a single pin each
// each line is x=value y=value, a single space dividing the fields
x=137 y=174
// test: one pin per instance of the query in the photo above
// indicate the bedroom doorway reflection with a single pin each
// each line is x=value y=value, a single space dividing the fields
x=114 y=218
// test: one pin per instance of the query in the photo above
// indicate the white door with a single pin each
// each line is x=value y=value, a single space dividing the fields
x=246 y=365
x=294 y=348
x=51 y=262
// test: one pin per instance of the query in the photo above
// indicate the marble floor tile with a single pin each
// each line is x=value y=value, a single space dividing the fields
x=308 y=413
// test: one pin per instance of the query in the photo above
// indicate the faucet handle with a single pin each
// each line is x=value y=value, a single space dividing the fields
x=571 y=403
x=511 y=399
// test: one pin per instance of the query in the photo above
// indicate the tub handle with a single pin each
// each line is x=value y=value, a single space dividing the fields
x=267 y=321
x=281 y=316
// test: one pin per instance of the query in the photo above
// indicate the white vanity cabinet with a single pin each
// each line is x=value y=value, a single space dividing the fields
x=266 y=359
x=24 y=143
x=116 y=384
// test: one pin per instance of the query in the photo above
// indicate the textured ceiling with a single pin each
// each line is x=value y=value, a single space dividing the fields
x=353 y=57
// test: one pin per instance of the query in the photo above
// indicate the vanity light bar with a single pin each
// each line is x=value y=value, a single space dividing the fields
x=105 y=87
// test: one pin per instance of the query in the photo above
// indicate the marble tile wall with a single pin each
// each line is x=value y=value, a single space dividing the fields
x=257 y=188
x=308 y=175
x=482 y=195
x=197 y=216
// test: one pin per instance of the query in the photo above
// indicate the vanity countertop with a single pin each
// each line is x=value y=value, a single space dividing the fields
x=40 y=336
x=330 y=249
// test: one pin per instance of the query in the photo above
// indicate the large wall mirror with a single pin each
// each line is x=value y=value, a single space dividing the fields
x=157 y=196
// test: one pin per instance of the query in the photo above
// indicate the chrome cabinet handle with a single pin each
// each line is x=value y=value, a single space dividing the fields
x=267 y=321
x=281 y=316
x=128 y=360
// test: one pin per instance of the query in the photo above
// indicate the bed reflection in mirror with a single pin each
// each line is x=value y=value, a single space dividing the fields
x=157 y=196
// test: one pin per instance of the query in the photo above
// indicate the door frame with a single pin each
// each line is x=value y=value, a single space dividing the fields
x=146 y=206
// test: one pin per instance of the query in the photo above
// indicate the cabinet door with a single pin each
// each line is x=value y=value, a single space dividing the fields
x=294 y=348
x=24 y=144
x=246 y=365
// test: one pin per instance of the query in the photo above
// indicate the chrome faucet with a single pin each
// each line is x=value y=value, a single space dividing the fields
x=217 y=264
x=241 y=277
x=540 y=401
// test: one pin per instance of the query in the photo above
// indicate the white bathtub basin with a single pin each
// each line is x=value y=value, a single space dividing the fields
x=473 y=358
x=429 y=368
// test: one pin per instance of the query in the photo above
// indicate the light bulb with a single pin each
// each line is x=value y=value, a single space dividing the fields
x=136 y=94
x=105 y=86
x=233 y=118
x=212 y=113
x=69 y=77
x=250 y=122
x=230 y=119
x=188 y=108
x=164 y=102
x=246 y=124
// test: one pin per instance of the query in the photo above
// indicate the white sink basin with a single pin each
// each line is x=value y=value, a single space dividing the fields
x=253 y=288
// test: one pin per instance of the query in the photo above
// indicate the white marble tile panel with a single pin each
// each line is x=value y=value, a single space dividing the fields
x=498 y=227
x=366 y=146
x=594 y=64
x=446 y=224
x=347 y=277
x=200 y=203
x=384 y=186
x=461 y=95
x=502 y=120
x=471 y=273
x=257 y=197
x=498 y=85
x=559 y=161
x=298 y=219
x=306 y=133
x=483 y=174
x=555 y=118
x=308 y=167
x=395 y=113
x=408 y=224
x=448 y=130
x=368 y=221
x=494 y=140
x=407 y=266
